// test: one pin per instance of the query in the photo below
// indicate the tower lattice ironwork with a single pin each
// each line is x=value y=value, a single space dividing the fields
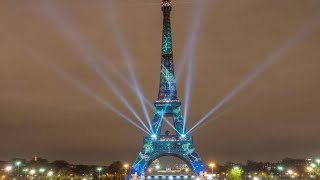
x=157 y=145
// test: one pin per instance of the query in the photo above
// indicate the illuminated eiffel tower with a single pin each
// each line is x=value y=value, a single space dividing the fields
x=157 y=145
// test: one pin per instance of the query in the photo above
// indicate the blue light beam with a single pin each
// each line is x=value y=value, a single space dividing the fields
x=58 y=70
x=93 y=95
x=169 y=123
x=197 y=19
x=126 y=57
x=189 y=51
x=113 y=87
x=87 y=50
x=214 y=118
x=297 y=37
x=112 y=68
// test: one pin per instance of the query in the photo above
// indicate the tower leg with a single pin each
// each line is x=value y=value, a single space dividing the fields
x=152 y=150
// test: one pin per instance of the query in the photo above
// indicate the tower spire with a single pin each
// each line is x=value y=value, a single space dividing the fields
x=166 y=35
x=167 y=87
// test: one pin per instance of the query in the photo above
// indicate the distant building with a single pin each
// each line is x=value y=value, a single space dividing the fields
x=155 y=165
x=35 y=158
x=181 y=167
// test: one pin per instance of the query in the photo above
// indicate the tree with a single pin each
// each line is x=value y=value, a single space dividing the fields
x=38 y=162
x=59 y=164
x=115 y=167
x=83 y=169
x=116 y=170
x=235 y=173
x=63 y=173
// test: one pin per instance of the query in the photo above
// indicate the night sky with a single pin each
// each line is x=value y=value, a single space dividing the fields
x=43 y=113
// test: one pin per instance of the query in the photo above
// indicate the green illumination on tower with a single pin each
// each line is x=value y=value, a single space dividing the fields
x=167 y=88
x=166 y=34
x=158 y=144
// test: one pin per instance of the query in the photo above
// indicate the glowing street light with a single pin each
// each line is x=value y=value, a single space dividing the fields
x=32 y=171
x=8 y=169
x=18 y=163
x=50 y=173
x=310 y=169
x=290 y=172
x=313 y=165
x=25 y=170
x=42 y=170
x=126 y=167
x=212 y=165
x=280 y=168
x=99 y=169
x=318 y=161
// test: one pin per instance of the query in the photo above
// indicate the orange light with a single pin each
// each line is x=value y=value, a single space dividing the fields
x=126 y=166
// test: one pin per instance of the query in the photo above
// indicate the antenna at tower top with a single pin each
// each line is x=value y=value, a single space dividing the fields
x=166 y=3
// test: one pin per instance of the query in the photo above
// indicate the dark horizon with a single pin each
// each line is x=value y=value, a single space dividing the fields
x=273 y=117
x=166 y=160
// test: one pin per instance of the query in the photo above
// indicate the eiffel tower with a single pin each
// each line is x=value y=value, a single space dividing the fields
x=157 y=145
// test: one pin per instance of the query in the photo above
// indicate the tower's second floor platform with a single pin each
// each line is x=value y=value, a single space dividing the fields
x=169 y=138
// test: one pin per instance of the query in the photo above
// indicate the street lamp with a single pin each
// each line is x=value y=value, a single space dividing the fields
x=310 y=170
x=99 y=169
x=42 y=170
x=290 y=172
x=32 y=172
x=280 y=169
x=212 y=165
x=8 y=169
x=25 y=171
x=18 y=163
x=126 y=167
x=50 y=174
